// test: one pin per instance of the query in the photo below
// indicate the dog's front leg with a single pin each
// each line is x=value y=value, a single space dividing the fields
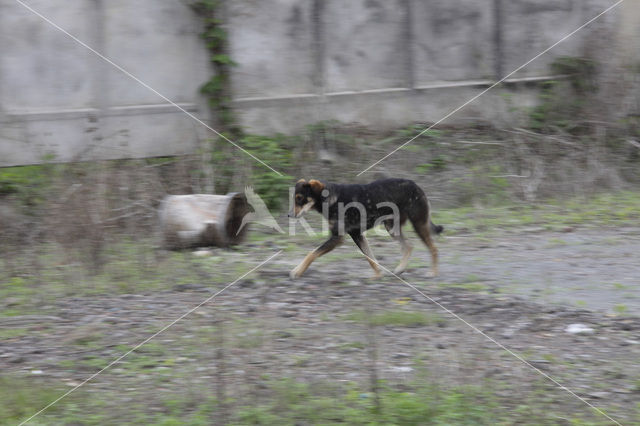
x=325 y=248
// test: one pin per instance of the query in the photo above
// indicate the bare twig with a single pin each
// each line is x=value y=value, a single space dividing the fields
x=481 y=143
x=221 y=390
x=520 y=131
x=372 y=344
x=634 y=143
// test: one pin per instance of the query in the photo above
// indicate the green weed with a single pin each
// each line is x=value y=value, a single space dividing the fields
x=396 y=318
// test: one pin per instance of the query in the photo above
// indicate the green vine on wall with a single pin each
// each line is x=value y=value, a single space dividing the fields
x=233 y=171
x=218 y=88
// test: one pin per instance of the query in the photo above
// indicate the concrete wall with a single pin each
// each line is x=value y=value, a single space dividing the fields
x=60 y=101
x=629 y=33
x=382 y=63
x=387 y=63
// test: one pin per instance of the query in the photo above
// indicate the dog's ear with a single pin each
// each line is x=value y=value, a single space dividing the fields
x=316 y=185
x=301 y=181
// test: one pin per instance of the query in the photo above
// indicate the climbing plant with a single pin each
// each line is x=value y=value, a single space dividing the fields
x=217 y=89
x=233 y=172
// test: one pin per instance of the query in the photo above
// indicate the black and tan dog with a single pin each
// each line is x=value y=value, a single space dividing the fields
x=352 y=209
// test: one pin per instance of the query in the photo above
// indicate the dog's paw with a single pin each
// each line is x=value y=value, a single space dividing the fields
x=399 y=269
x=295 y=273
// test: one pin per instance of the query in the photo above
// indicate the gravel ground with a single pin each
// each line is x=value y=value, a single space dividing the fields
x=567 y=302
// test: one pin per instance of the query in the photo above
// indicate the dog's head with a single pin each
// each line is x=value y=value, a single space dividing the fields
x=306 y=196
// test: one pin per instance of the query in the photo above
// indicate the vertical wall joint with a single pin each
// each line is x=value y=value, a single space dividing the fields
x=409 y=76
x=498 y=47
x=319 y=46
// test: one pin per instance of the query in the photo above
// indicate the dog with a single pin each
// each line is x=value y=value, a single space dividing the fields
x=353 y=208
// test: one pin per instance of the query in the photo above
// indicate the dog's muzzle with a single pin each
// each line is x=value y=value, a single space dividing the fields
x=296 y=211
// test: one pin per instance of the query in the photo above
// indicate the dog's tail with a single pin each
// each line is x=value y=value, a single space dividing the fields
x=435 y=229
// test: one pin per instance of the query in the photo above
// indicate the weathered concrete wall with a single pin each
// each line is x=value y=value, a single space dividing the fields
x=629 y=33
x=60 y=101
x=452 y=40
x=382 y=63
x=393 y=62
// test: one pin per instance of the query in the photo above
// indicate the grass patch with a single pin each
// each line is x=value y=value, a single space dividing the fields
x=618 y=209
x=249 y=339
x=621 y=309
x=477 y=287
x=396 y=318
x=297 y=403
x=285 y=401
x=556 y=242
x=21 y=398
x=9 y=333
x=131 y=267
x=351 y=346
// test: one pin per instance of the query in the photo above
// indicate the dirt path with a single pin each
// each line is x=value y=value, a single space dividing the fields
x=523 y=289
x=593 y=269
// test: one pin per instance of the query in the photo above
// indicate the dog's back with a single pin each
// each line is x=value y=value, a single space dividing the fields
x=405 y=194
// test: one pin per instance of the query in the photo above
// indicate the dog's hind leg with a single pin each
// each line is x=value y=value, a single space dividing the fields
x=362 y=243
x=325 y=248
x=423 y=231
x=397 y=235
